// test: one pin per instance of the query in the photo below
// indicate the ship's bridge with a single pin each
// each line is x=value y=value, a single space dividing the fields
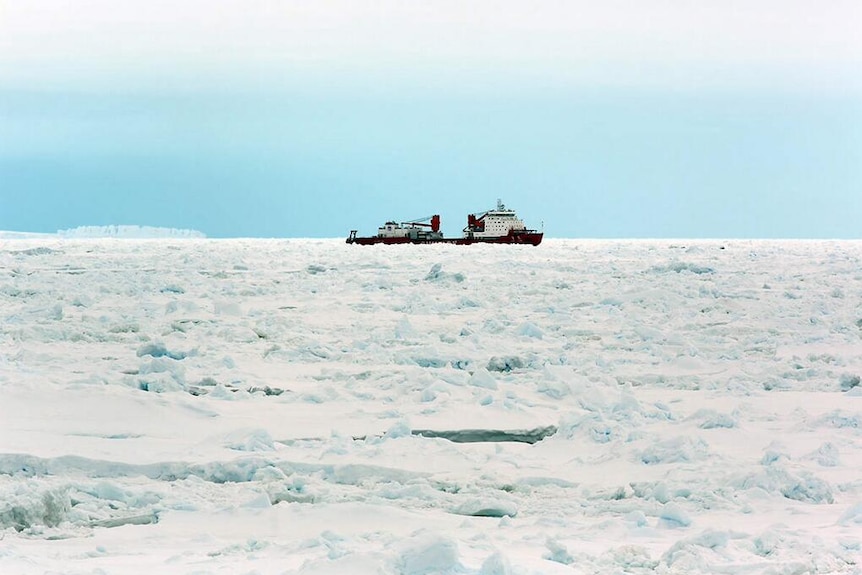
x=494 y=223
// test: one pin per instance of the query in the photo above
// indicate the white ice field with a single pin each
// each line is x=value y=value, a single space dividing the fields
x=304 y=406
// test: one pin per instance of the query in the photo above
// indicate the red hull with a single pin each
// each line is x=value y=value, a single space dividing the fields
x=528 y=237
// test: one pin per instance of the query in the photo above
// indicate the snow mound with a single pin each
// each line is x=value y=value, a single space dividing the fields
x=428 y=554
x=496 y=564
x=25 y=506
x=250 y=440
x=505 y=364
x=436 y=274
x=557 y=552
x=852 y=515
x=487 y=507
x=679 y=267
x=673 y=516
x=674 y=450
x=804 y=486
x=157 y=349
x=849 y=381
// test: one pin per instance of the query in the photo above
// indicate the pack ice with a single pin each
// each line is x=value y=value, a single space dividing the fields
x=183 y=405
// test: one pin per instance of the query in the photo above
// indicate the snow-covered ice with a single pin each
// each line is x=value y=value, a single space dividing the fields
x=309 y=407
x=113 y=231
x=128 y=232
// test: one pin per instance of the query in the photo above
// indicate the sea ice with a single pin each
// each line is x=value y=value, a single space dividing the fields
x=583 y=406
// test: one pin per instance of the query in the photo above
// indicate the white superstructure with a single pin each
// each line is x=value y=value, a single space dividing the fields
x=395 y=230
x=493 y=223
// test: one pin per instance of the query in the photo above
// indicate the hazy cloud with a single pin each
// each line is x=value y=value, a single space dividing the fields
x=654 y=43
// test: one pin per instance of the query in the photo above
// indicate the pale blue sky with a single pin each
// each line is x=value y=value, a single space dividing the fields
x=297 y=119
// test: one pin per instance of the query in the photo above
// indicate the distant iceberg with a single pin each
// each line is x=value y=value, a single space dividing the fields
x=129 y=232
x=10 y=235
